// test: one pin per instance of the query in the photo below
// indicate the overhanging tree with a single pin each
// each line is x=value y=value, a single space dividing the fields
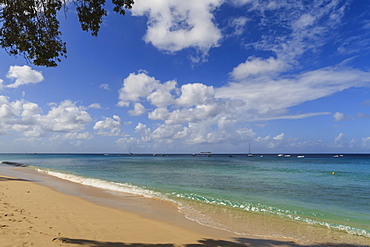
x=30 y=27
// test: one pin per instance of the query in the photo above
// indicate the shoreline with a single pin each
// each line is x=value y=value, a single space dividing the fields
x=156 y=222
x=34 y=214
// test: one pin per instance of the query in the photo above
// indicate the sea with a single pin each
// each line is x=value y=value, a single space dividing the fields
x=305 y=198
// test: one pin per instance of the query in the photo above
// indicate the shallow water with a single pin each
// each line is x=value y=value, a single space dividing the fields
x=269 y=196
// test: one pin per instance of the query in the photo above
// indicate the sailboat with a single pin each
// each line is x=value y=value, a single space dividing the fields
x=129 y=151
x=249 y=153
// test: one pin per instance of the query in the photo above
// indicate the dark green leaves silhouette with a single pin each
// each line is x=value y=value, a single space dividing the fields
x=30 y=27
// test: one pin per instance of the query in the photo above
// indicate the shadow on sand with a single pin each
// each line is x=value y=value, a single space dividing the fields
x=11 y=179
x=240 y=242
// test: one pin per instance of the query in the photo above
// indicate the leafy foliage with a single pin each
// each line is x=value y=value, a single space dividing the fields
x=31 y=28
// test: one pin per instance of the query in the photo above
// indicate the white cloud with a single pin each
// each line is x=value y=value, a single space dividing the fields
x=303 y=27
x=162 y=97
x=199 y=114
x=144 y=131
x=109 y=126
x=23 y=75
x=226 y=133
x=242 y=2
x=366 y=142
x=66 y=117
x=238 y=24
x=95 y=106
x=199 y=97
x=195 y=94
x=339 y=138
x=304 y=21
x=170 y=132
x=279 y=137
x=25 y=117
x=262 y=139
x=136 y=86
x=338 y=116
x=193 y=115
x=174 y=25
x=268 y=94
x=104 y=86
x=79 y=136
x=255 y=66
x=159 y=114
x=139 y=109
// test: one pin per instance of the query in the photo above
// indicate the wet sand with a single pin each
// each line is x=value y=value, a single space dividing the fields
x=38 y=210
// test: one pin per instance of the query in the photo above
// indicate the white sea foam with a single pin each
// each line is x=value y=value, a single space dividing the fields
x=260 y=208
x=102 y=184
x=189 y=212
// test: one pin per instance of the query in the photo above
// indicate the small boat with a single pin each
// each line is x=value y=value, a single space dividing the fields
x=280 y=155
x=249 y=151
x=287 y=156
x=300 y=156
x=206 y=153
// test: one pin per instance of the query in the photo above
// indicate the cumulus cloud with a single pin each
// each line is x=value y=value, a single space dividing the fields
x=25 y=117
x=180 y=109
x=138 y=110
x=197 y=133
x=162 y=96
x=175 y=25
x=195 y=94
x=135 y=87
x=203 y=114
x=65 y=117
x=144 y=131
x=23 y=75
x=109 y=126
x=338 y=116
x=79 y=136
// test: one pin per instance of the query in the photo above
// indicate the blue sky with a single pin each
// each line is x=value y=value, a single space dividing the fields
x=175 y=76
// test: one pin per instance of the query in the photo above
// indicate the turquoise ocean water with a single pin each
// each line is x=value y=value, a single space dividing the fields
x=303 y=190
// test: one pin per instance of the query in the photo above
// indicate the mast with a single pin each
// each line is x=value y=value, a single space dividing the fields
x=249 y=151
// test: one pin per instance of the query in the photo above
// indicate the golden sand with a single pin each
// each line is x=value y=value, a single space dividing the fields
x=35 y=215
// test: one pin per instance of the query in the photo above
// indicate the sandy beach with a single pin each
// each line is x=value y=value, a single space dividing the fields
x=32 y=214
x=35 y=215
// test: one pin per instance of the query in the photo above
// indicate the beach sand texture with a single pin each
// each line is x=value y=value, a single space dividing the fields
x=35 y=215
